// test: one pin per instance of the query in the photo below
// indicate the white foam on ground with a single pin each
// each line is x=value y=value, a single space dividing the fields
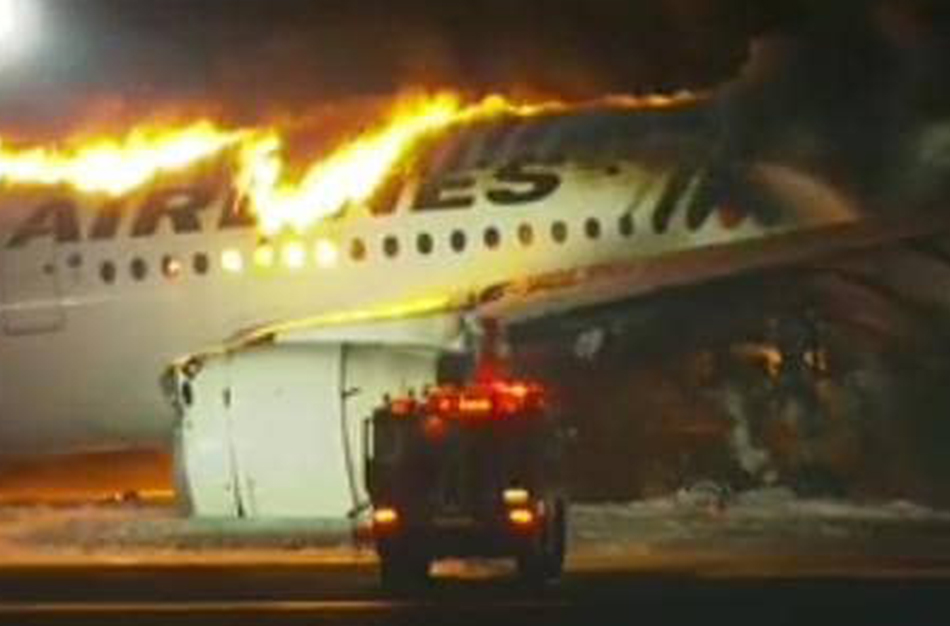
x=694 y=519
x=128 y=533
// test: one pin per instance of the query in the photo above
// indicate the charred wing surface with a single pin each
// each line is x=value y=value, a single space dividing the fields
x=828 y=378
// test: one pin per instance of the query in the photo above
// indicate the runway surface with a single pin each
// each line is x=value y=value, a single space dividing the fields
x=682 y=588
x=688 y=560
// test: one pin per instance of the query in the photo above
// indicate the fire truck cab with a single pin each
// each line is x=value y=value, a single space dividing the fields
x=466 y=471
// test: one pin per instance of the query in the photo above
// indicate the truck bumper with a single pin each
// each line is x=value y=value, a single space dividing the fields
x=459 y=538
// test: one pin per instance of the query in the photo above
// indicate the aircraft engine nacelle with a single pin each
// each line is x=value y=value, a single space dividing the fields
x=271 y=429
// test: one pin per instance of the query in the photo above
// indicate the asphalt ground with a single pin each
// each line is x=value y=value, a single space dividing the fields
x=639 y=590
x=684 y=561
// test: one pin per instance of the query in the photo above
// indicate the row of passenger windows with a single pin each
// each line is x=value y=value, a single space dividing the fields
x=326 y=253
x=491 y=238
x=171 y=267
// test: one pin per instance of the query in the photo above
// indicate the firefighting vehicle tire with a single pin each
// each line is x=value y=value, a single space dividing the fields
x=555 y=564
x=543 y=560
x=403 y=569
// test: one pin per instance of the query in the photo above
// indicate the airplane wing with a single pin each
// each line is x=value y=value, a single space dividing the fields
x=595 y=288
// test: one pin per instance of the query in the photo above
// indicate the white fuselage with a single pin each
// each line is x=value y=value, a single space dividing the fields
x=81 y=356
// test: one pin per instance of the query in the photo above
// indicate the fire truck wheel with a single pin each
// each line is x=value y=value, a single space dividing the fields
x=543 y=560
x=557 y=541
x=401 y=569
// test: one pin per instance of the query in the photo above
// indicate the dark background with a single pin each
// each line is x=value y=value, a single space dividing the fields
x=245 y=59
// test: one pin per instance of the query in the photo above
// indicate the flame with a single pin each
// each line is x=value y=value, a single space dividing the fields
x=348 y=175
x=112 y=166
x=352 y=173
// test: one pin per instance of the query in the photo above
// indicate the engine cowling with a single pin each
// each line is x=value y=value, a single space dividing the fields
x=271 y=429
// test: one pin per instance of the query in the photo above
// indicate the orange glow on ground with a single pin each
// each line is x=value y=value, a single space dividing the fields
x=136 y=474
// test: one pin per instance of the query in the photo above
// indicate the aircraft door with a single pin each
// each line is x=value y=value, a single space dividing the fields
x=30 y=289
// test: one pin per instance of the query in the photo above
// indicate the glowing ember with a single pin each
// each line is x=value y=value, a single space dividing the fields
x=349 y=174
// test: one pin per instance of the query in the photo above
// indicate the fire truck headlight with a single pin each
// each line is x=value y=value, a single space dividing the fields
x=515 y=496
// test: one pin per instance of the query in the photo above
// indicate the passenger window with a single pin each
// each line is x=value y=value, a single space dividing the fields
x=200 y=263
x=700 y=209
x=74 y=261
x=525 y=234
x=107 y=272
x=139 y=269
x=231 y=260
x=592 y=228
x=670 y=199
x=357 y=250
x=391 y=246
x=424 y=243
x=171 y=267
x=457 y=241
x=559 y=232
x=492 y=237
x=625 y=225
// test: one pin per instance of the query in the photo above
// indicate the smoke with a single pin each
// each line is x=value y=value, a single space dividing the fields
x=848 y=89
x=248 y=60
x=856 y=96
x=800 y=76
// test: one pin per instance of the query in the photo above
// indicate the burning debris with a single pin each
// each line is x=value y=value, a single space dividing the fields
x=828 y=381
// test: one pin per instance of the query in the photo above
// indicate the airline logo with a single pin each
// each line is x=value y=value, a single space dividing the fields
x=512 y=184
x=180 y=206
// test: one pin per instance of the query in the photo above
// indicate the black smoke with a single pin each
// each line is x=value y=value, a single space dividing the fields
x=249 y=57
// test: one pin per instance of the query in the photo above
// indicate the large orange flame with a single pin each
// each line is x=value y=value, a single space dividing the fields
x=353 y=172
x=349 y=174
x=115 y=166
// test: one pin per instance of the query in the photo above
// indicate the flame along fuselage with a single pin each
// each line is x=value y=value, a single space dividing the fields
x=82 y=349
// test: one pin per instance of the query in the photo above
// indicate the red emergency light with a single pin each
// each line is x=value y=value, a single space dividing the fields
x=402 y=406
x=495 y=399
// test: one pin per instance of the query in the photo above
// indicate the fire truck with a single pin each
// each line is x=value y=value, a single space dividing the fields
x=466 y=471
